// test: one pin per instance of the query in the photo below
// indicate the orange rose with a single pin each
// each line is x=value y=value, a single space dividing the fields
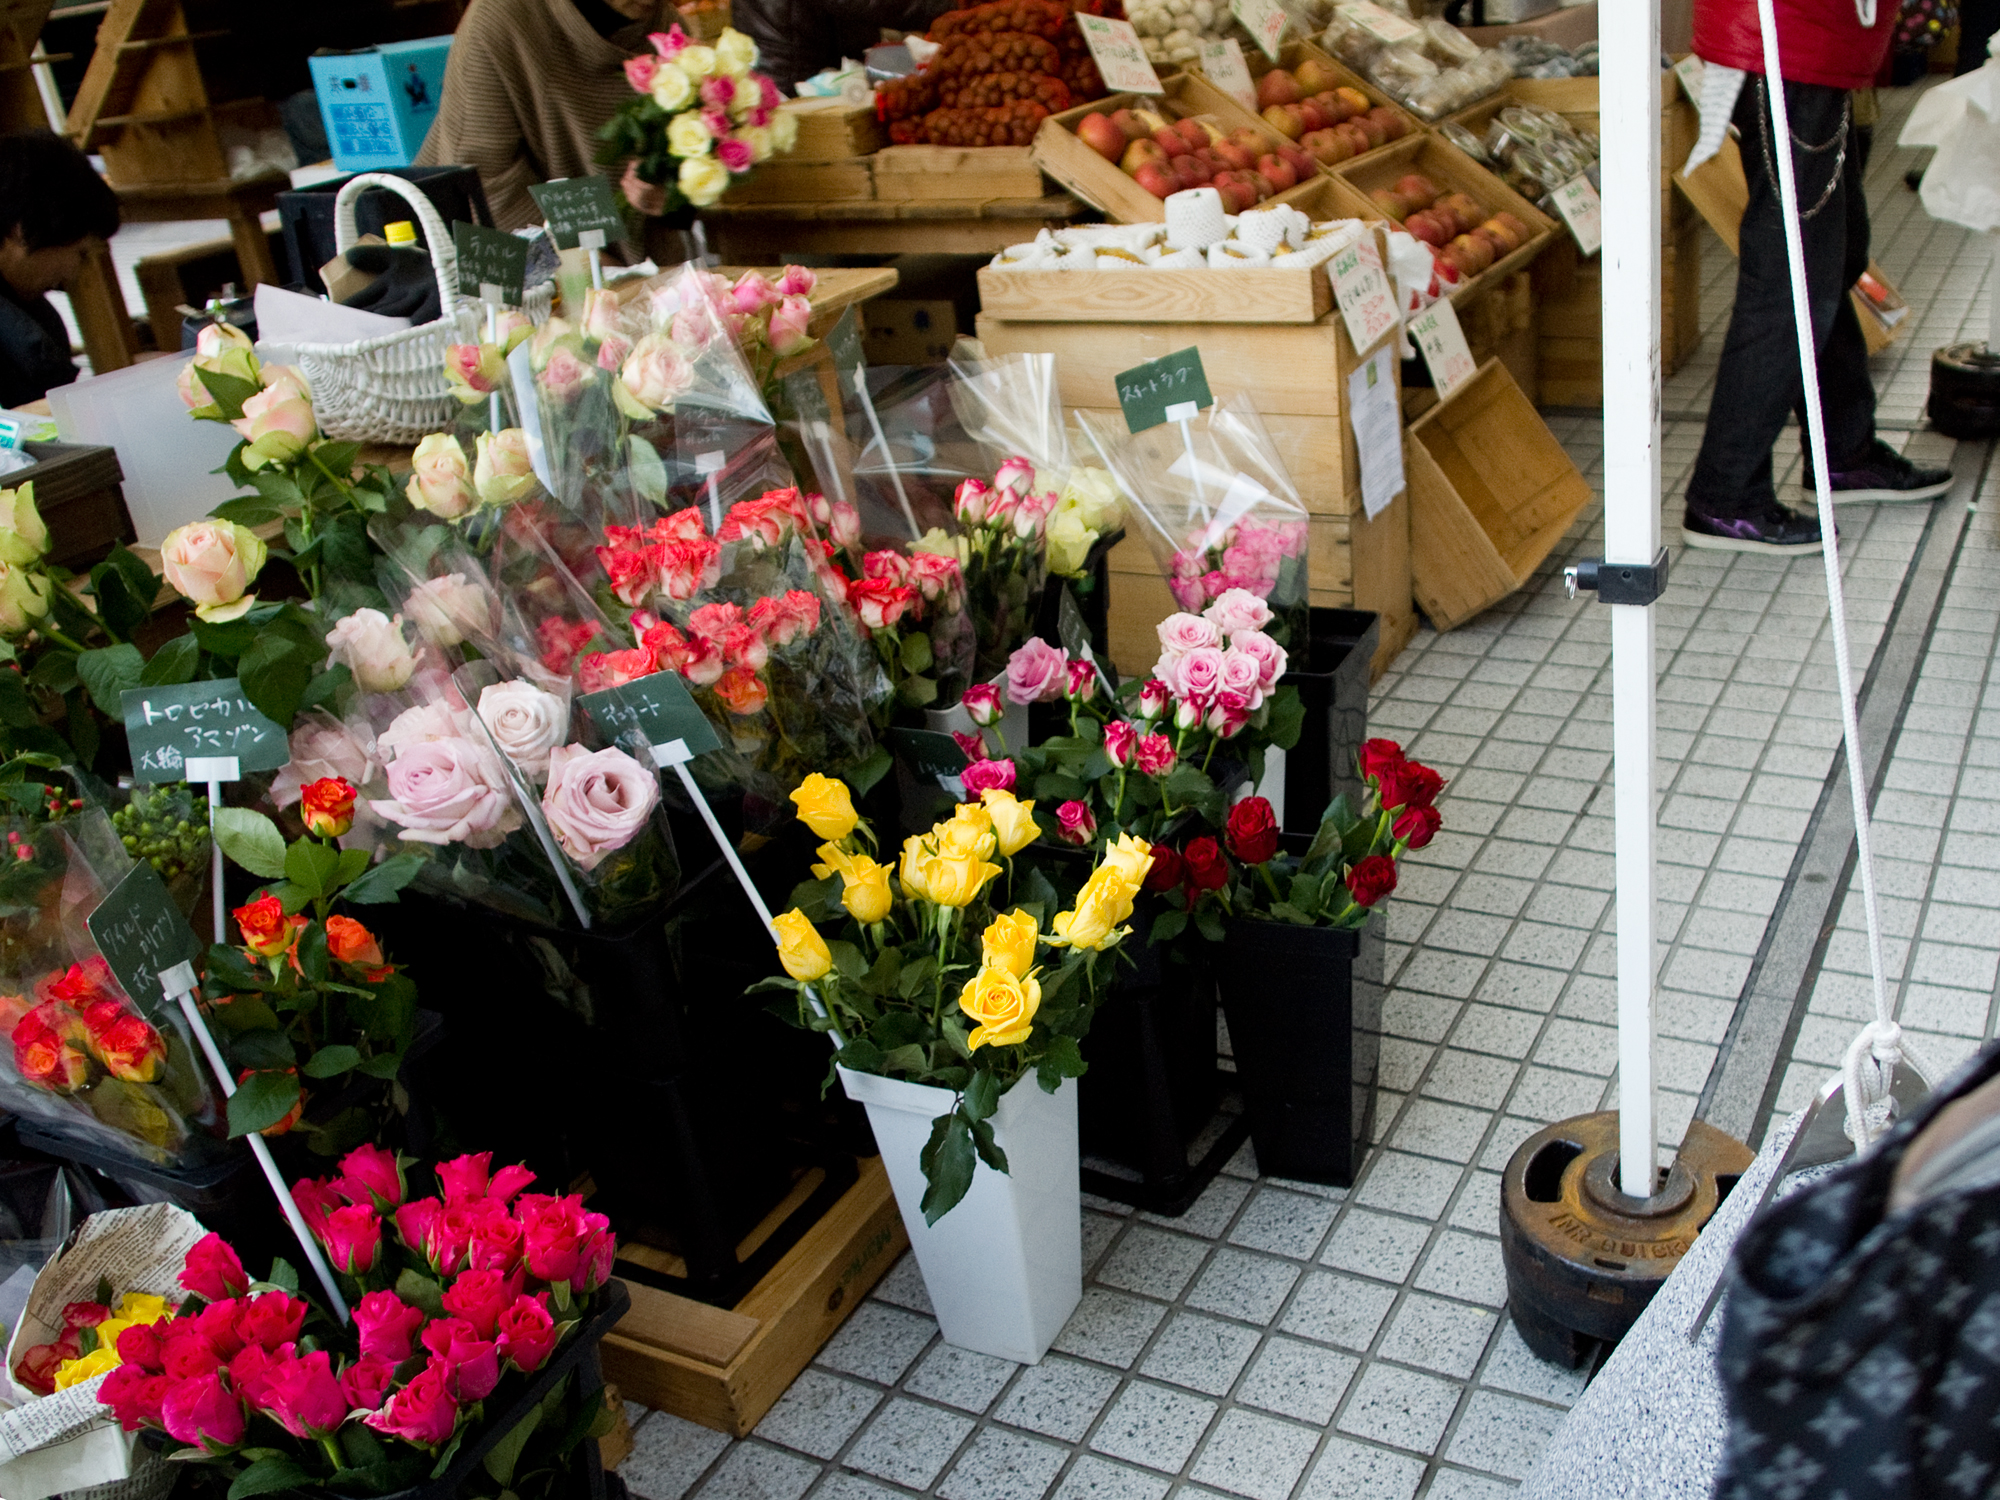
x=327 y=806
x=351 y=943
x=47 y=1053
x=129 y=1048
x=266 y=931
x=741 y=690
x=297 y=1111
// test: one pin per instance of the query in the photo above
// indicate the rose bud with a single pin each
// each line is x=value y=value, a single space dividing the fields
x=1372 y=879
x=1378 y=756
x=527 y=1333
x=1417 y=826
x=1188 y=713
x=348 y=942
x=983 y=776
x=1153 y=699
x=353 y=1239
x=1077 y=825
x=1253 y=831
x=202 y=1413
x=971 y=746
x=971 y=501
x=479 y=1297
x=303 y=1396
x=982 y=703
x=326 y=807
x=365 y=1382
x=1082 y=685
x=128 y=1046
x=135 y=1396
x=1206 y=869
x=1121 y=742
x=1166 y=870
x=422 y=1412
x=266 y=932
x=272 y=1319
x=386 y=1326
x=1156 y=754
x=212 y=1270
x=371 y=1170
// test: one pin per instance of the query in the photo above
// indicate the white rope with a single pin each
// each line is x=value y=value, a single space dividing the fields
x=1881 y=1042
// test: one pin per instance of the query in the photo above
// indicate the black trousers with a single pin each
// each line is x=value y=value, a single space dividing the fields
x=1758 y=383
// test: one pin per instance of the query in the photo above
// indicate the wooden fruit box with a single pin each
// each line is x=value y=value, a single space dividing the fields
x=1293 y=53
x=726 y=1367
x=1256 y=294
x=1100 y=183
x=789 y=179
x=905 y=174
x=1454 y=172
x=1572 y=323
x=830 y=129
x=1491 y=493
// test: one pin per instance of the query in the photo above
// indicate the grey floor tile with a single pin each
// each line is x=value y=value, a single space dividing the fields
x=1152 y=1261
x=1298 y=1379
x=878 y=1343
x=1060 y=1398
x=1461 y=1484
x=1502 y=1434
x=755 y=1472
x=1338 y=1310
x=1154 y=1426
x=904 y=1285
x=1435 y=1334
x=1284 y=1223
x=1096 y=1479
x=1004 y=1465
x=959 y=1377
x=668 y=1456
x=908 y=1443
x=1466 y=1266
x=1203 y=1354
x=1512 y=1366
x=844 y=1486
x=1413 y=1185
x=819 y=1413
x=1377 y=1245
x=1110 y=1326
x=1358 y=1471
x=1400 y=1408
x=1255 y=1456
x=1241 y=1285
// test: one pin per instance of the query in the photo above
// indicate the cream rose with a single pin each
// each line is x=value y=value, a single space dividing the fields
x=702 y=180
x=442 y=480
x=655 y=375
x=1069 y=542
x=24 y=599
x=784 y=130
x=525 y=722
x=211 y=564
x=697 y=62
x=671 y=89
x=1094 y=495
x=735 y=53
x=370 y=645
x=597 y=801
x=24 y=537
x=501 y=470
x=446 y=610
x=688 y=135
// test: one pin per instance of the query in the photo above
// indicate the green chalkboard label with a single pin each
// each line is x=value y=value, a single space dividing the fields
x=843 y=342
x=141 y=932
x=933 y=755
x=1169 y=389
x=169 y=726
x=492 y=264
x=581 y=212
x=659 y=707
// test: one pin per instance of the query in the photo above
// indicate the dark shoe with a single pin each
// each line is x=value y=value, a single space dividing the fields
x=1776 y=530
x=1914 y=178
x=1883 y=474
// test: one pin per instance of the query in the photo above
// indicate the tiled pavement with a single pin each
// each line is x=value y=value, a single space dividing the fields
x=1284 y=1342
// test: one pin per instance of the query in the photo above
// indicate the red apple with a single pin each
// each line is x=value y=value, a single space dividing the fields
x=1319 y=142
x=1103 y=137
x=1415 y=186
x=1465 y=208
x=1250 y=139
x=1392 y=123
x=1315 y=118
x=1391 y=203
x=1339 y=147
x=1314 y=76
x=1266 y=187
x=1237 y=196
x=1505 y=240
x=1190 y=172
x=1129 y=124
x=1280 y=173
x=1194 y=133
x=1477 y=251
x=1356 y=138
x=1302 y=160
x=1140 y=153
x=1236 y=154
x=1157 y=179
x=1424 y=225
x=1508 y=221
x=1277 y=87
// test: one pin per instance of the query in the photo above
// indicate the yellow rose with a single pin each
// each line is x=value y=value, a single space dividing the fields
x=702 y=180
x=969 y=834
x=1003 y=1005
x=800 y=947
x=1131 y=858
x=1013 y=821
x=1093 y=495
x=825 y=807
x=75 y=1371
x=864 y=883
x=697 y=62
x=759 y=139
x=688 y=135
x=1102 y=904
x=1069 y=541
x=784 y=130
x=1009 y=943
x=143 y=1307
x=939 y=878
x=735 y=53
x=24 y=539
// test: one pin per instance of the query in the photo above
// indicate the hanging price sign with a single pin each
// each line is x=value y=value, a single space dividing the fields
x=1264 y=20
x=1121 y=60
x=1223 y=63
x=1361 y=287
x=1578 y=203
x=1385 y=26
x=1442 y=343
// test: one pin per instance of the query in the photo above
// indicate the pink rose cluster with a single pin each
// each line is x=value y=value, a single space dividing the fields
x=500 y=1255
x=1247 y=557
x=1008 y=503
x=674 y=556
x=1217 y=667
x=893 y=586
x=752 y=309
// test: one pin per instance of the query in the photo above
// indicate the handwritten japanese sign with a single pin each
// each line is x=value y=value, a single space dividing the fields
x=1581 y=209
x=1361 y=287
x=492 y=264
x=580 y=211
x=1121 y=60
x=932 y=755
x=169 y=726
x=140 y=931
x=1442 y=343
x=1169 y=389
x=1264 y=20
x=1223 y=62
x=659 y=706
x=1385 y=26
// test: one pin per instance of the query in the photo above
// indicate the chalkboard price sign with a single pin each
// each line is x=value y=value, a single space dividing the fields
x=581 y=212
x=933 y=755
x=140 y=932
x=1169 y=389
x=492 y=264
x=659 y=707
x=168 y=726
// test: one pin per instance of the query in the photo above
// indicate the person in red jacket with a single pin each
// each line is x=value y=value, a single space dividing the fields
x=1826 y=48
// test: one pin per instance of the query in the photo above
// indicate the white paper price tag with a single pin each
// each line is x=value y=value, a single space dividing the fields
x=1264 y=20
x=1385 y=26
x=1121 y=60
x=1442 y=343
x=1689 y=71
x=1223 y=63
x=1577 y=202
x=1362 y=290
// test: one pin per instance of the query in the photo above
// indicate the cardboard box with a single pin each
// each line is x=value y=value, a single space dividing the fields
x=1491 y=494
x=908 y=331
x=378 y=105
x=830 y=129
x=1569 y=27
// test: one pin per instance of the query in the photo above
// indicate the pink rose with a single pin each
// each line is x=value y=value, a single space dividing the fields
x=597 y=801
x=212 y=1270
x=1156 y=754
x=655 y=375
x=303 y=1396
x=717 y=91
x=789 y=318
x=386 y=1324
x=201 y=1412
x=365 y=1382
x=988 y=775
x=441 y=478
x=1271 y=657
x=1153 y=698
x=797 y=281
x=480 y=1297
x=1182 y=633
x=1081 y=685
x=972 y=501
x=447 y=610
x=422 y=1412
x=1228 y=714
x=844 y=527
x=639 y=72
x=212 y=564
x=472 y=1176
x=269 y=1320
x=1240 y=674
x=735 y=154
x=353 y=1239
x=1121 y=743
x=1238 y=609
x=1199 y=673
x=565 y=374
x=982 y=702
x=449 y=791
x=527 y=1334
x=555 y=1230
x=935 y=575
x=1037 y=672
x=1016 y=475
x=370 y=644
x=670 y=43
x=1075 y=823
x=375 y=1173
x=1031 y=516
x=753 y=291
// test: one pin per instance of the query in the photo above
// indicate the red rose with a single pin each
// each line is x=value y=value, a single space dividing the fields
x=480 y=1297
x=203 y=1413
x=422 y=1412
x=495 y=1245
x=36 y=1370
x=386 y=1325
x=212 y=1270
x=134 y=1395
x=527 y=1333
x=1379 y=757
x=1416 y=826
x=184 y=1352
x=1253 y=831
x=84 y=1314
x=472 y=1177
x=266 y=930
x=1371 y=879
x=1207 y=870
x=365 y=1382
x=553 y=1230
x=1166 y=871
x=1410 y=785
x=274 y=1318
x=217 y=1326
x=414 y=1221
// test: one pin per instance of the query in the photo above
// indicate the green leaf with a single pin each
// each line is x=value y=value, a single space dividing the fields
x=648 y=474
x=383 y=1065
x=947 y=1160
x=1285 y=911
x=504 y=1455
x=325 y=686
x=416 y=1288
x=1333 y=826
x=338 y=458
x=284 y=1275
x=261 y=1101
x=331 y=1062
x=982 y=1095
x=264 y=1047
x=987 y=1147
x=119 y=610
x=381 y=884
x=1063 y=1058
x=247 y=510
x=251 y=840
x=268 y=1476
x=871 y=768
x=848 y=961
x=173 y=663
x=1168 y=925
x=353 y=862
x=229 y=391
x=107 y=672
x=311 y=953
x=54 y=670
x=311 y=866
x=916 y=652
x=1208 y=922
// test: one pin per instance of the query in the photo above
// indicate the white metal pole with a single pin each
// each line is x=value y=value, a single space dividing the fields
x=1629 y=60
x=1993 y=298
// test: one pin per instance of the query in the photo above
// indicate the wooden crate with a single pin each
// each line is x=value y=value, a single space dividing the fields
x=1293 y=53
x=1261 y=294
x=830 y=129
x=726 y=1367
x=1502 y=324
x=905 y=174
x=1100 y=183
x=1453 y=171
x=788 y=179
x=1491 y=493
x=1572 y=324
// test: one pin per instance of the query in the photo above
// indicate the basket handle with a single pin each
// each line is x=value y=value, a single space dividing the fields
x=444 y=259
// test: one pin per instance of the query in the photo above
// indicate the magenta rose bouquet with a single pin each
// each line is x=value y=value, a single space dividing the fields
x=460 y=1300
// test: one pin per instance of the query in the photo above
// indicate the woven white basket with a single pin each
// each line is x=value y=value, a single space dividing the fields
x=392 y=389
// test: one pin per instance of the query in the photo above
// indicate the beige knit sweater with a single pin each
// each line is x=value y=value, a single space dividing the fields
x=526 y=88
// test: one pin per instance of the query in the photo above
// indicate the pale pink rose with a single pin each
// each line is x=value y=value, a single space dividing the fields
x=602 y=317
x=1037 y=672
x=656 y=374
x=1031 y=516
x=717 y=121
x=1017 y=475
x=972 y=500
x=525 y=722
x=446 y=610
x=1271 y=657
x=441 y=478
x=565 y=374
x=798 y=281
x=277 y=422
x=212 y=563
x=322 y=746
x=934 y=574
x=639 y=72
x=612 y=352
x=370 y=645
x=193 y=393
x=844 y=525
x=1240 y=674
x=433 y=719
x=597 y=801
x=1182 y=633
x=511 y=328
x=1238 y=609
x=1198 y=674
x=447 y=792
x=753 y=291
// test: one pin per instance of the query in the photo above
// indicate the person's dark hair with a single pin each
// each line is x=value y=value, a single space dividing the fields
x=49 y=190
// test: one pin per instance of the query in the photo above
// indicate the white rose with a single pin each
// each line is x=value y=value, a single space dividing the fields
x=735 y=53
x=689 y=135
x=703 y=179
x=371 y=646
x=448 y=609
x=526 y=723
x=672 y=89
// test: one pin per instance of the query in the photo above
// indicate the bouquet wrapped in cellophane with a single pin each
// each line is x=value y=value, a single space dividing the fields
x=1218 y=508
